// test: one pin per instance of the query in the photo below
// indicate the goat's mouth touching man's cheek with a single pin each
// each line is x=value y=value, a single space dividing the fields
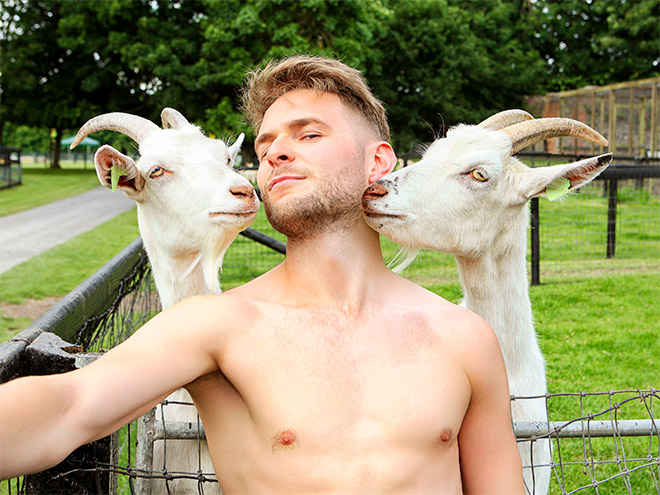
x=375 y=205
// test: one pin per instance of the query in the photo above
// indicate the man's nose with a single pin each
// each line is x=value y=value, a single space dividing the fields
x=279 y=152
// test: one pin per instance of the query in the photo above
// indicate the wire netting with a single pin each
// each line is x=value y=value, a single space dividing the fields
x=602 y=442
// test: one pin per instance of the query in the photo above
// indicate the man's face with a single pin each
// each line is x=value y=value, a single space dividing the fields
x=312 y=169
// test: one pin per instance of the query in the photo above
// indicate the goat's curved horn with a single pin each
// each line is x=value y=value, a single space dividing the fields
x=173 y=119
x=505 y=119
x=136 y=128
x=529 y=132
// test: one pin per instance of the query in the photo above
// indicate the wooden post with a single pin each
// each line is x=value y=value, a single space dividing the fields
x=642 y=127
x=655 y=114
x=536 y=245
x=593 y=118
x=611 y=218
x=561 y=114
x=612 y=122
x=631 y=125
x=144 y=456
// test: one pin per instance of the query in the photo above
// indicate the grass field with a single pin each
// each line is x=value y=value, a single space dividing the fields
x=598 y=320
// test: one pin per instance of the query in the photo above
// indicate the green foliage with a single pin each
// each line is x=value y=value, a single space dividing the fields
x=597 y=42
x=240 y=35
x=445 y=62
x=433 y=62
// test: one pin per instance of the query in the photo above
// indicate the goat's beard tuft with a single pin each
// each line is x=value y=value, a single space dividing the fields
x=335 y=203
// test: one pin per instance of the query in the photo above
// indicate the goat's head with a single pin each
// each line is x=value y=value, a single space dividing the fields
x=468 y=194
x=191 y=204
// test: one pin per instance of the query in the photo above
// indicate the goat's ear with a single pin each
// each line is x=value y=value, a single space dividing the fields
x=234 y=148
x=130 y=181
x=539 y=181
x=173 y=119
x=382 y=160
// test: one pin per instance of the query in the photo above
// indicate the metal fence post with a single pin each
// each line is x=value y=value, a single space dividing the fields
x=536 y=245
x=611 y=217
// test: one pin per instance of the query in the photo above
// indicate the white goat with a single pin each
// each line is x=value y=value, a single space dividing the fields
x=190 y=207
x=468 y=197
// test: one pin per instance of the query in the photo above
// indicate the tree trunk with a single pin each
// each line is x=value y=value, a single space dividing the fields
x=57 y=143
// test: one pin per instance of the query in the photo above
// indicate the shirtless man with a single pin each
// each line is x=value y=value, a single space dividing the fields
x=328 y=374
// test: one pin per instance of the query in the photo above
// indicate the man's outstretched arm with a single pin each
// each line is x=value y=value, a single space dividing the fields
x=490 y=460
x=44 y=418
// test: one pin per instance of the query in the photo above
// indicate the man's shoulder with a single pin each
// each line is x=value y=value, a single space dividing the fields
x=425 y=301
x=447 y=318
x=215 y=311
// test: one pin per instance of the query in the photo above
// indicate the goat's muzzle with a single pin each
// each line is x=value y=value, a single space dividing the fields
x=374 y=191
x=242 y=191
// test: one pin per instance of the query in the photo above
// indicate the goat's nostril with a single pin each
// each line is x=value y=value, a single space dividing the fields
x=375 y=190
x=242 y=190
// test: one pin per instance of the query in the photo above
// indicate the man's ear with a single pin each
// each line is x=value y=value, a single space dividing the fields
x=130 y=180
x=383 y=161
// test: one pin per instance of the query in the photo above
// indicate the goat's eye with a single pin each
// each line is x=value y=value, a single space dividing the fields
x=228 y=161
x=479 y=174
x=156 y=172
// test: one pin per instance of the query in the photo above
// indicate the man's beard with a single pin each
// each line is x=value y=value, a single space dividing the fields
x=334 y=204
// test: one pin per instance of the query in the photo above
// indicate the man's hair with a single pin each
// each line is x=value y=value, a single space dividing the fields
x=265 y=85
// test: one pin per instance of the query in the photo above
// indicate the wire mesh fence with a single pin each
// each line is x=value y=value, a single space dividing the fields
x=609 y=444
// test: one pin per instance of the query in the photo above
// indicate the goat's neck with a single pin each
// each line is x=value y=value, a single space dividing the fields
x=174 y=278
x=496 y=288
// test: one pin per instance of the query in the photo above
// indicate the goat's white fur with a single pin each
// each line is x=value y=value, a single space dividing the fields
x=436 y=204
x=187 y=217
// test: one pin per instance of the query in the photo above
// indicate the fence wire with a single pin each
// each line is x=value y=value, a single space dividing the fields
x=608 y=446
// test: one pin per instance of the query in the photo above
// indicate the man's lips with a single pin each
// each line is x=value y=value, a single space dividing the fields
x=283 y=178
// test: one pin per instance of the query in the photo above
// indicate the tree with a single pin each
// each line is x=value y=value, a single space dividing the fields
x=598 y=41
x=86 y=57
x=240 y=34
x=447 y=62
x=54 y=85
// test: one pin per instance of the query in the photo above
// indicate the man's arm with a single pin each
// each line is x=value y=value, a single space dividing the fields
x=490 y=460
x=44 y=418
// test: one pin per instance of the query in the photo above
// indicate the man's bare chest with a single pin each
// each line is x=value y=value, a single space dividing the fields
x=328 y=381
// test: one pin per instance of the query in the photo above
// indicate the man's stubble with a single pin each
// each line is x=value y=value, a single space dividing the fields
x=334 y=204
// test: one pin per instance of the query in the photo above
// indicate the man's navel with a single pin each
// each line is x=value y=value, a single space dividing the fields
x=284 y=439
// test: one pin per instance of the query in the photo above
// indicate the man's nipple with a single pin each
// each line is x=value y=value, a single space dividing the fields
x=285 y=438
x=445 y=436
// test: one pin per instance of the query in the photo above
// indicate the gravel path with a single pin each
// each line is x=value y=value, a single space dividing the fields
x=31 y=232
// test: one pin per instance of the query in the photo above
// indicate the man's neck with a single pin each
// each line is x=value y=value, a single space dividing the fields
x=340 y=267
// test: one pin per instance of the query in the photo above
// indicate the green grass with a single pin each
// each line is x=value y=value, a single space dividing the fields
x=576 y=228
